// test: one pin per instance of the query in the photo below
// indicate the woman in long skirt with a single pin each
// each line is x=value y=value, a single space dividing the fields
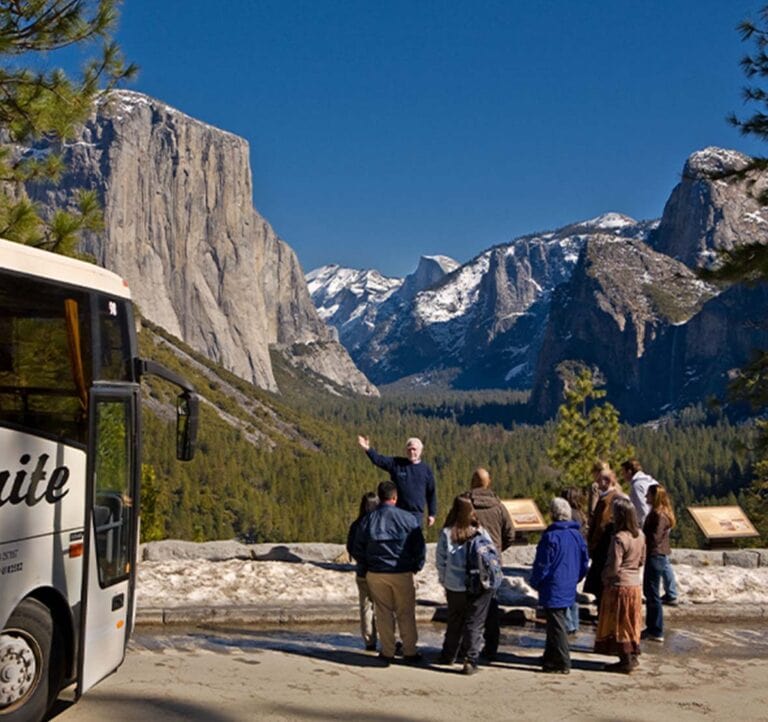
x=621 y=606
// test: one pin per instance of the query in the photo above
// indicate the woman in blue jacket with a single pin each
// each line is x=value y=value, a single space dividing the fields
x=561 y=562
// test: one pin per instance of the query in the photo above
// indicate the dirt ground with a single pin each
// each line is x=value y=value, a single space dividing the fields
x=231 y=675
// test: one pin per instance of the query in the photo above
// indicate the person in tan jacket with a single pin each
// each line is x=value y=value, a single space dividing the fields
x=495 y=519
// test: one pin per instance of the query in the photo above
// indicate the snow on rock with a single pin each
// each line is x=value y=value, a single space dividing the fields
x=454 y=299
x=610 y=221
x=714 y=161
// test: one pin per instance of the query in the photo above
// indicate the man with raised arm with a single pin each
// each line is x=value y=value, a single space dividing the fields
x=413 y=477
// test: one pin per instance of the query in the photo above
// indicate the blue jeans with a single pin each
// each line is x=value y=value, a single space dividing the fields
x=572 y=618
x=668 y=580
x=654 y=616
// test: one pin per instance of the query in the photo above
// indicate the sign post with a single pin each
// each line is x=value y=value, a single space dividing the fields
x=722 y=525
x=526 y=518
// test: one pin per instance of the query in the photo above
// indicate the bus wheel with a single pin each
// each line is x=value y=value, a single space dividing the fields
x=25 y=650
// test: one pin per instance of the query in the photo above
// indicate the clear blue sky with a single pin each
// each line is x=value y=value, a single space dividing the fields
x=382 y=130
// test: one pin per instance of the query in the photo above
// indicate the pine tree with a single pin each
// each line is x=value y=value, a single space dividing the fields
x=585 y=432
x=39 y=104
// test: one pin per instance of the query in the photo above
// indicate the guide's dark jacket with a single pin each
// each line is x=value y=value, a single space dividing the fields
x=388 y=540
x=415 y=482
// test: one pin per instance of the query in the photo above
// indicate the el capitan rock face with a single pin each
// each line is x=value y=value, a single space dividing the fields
x=181 y=228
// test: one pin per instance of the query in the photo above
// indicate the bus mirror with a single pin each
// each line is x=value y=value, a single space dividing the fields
x=186 y=425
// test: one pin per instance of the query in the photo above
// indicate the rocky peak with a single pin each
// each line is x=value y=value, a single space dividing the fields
x=430 y=270
x=712 y=163
x=715 y=207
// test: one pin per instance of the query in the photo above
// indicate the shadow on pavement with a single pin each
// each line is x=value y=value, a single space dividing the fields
x=147 y=708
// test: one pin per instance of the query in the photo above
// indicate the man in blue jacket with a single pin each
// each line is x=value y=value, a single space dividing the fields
x=389 y=549
x=561 y=562
x=413 y=477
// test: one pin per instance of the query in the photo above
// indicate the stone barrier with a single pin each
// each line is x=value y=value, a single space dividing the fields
x=516 y=556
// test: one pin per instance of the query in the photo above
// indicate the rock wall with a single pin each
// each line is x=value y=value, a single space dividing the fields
x=181 y=228
x=715 y=206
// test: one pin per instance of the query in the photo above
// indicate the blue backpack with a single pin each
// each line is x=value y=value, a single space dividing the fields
x=484 y=570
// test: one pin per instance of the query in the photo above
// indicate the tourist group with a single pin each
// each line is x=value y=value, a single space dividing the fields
x=619 y=542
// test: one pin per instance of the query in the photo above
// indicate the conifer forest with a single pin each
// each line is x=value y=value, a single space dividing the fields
x=287 y=467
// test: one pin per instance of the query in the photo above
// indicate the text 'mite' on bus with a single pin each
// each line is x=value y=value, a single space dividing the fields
x=70 y=445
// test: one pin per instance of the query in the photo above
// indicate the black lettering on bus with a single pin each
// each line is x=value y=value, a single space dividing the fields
x=15 y=493
x=58 y=480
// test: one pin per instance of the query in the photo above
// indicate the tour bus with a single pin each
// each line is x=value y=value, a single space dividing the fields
x=70 y=452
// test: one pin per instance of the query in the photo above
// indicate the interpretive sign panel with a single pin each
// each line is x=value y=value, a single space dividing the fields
x=525 y=515
x=722 y=522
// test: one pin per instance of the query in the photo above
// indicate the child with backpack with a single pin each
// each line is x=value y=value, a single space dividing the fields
x=469 y=568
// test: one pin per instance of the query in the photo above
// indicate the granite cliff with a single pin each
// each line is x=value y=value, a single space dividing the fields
x=181 y=228
x=636 y=313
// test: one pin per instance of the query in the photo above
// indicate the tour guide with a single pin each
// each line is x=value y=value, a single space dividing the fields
x=413 y=478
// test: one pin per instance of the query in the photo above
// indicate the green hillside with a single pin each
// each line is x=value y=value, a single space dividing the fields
x=288 y=468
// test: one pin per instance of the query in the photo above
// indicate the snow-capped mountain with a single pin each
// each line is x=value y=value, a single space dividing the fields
x=484 y=319
x=357 y=302
x=616 y=295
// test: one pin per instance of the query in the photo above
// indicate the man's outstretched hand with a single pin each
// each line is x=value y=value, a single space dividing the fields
x=364 y=443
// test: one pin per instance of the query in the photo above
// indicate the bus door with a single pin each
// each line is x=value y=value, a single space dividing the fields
x=111 y=527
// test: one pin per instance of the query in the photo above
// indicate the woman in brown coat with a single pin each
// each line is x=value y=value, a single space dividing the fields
x=601 y=530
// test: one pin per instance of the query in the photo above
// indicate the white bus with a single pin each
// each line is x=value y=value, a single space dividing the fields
x=70 y=454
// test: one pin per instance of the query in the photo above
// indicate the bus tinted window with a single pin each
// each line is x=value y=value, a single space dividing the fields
x=114 y=319
x=113 y=503
x=45 y=352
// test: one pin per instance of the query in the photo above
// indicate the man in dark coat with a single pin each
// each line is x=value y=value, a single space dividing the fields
x=389 y=548
x=561 y=563
x=495 y=519
x=413 y=477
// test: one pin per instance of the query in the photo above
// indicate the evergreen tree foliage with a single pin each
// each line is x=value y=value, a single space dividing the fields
x=39 y=103
x=585 y=432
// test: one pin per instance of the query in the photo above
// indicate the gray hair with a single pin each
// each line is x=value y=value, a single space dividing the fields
x=560 y=509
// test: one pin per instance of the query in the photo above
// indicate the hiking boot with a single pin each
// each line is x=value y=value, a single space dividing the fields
x=444 y=660
x=470 y=668
x=417 y=658
x=385 y=661
x=556 y=670
x=622 y=667
x=670 y=601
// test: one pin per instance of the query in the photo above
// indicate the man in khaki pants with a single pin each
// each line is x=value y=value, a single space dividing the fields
x=390 y=549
